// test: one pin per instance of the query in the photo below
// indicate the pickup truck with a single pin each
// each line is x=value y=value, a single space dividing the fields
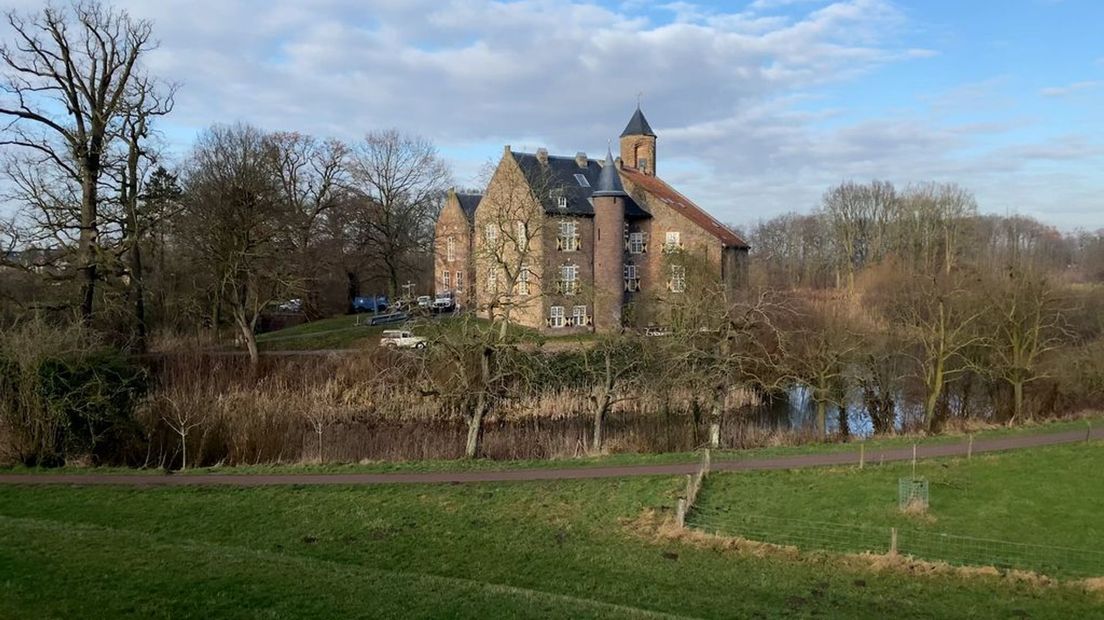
x=401 y=339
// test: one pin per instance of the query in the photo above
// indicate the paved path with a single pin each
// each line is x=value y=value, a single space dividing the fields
x=873 y=456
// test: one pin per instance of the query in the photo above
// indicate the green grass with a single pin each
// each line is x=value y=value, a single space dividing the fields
x=549 y=549
x=872 y=447
x=340 y=332
x=1049 y=496
x=344 y=332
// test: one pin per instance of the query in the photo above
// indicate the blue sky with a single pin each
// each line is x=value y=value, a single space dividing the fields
x=759 y=105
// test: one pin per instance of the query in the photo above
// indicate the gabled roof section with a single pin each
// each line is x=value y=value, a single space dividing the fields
x=468 y=203
x=681 y=204
x=557 y=178
x=638 y=126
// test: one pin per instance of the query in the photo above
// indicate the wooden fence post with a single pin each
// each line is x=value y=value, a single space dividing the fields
x=680 y=512
x=892 y=541
x=862 y=454
x=970 y=449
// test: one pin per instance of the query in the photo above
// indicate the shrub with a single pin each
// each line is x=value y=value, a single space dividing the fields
x=64 y=395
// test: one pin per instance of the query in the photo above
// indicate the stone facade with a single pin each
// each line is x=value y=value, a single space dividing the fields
x=618 y=239
x=453 y=265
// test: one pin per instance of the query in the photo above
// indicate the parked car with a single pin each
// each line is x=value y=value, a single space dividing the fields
x=371 y=303
x=401 y=339
x=444 y=302
x=656 y=331
x=424 y=301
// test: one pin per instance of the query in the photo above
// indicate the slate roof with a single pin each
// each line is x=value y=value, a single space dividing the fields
x=562 y=171
x=468 y=203
x=638 y=126
x=681 y=204
x=609 y=182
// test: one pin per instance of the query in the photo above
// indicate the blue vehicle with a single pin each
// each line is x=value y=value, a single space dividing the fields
x=371 y=303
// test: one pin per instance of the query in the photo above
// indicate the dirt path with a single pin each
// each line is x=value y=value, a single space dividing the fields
x=873 y=456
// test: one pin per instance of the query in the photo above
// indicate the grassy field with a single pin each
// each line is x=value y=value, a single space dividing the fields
x=551 y=549
x=339 y=332
x=344 y=332
x=1044 y=496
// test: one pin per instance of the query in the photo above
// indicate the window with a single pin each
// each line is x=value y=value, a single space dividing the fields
x=582 y=180
x=579 y=316
x=490 y=233
x=569 y=282
x=636 y=243
x=632 y=278
x=568 y=240
x=447 y=281
x=522 y=233
x=523 y=280
x=459 y=280
x=556 y=316
x=673 y=241
x=492 y=281
x=677 y=283
x=450 y=249
x=642 y=164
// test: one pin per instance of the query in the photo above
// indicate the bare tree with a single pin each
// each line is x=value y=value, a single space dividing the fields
x=510 y=229
x=400 y=181
x=472 y=368
x=820 y=356
x=145 y=103
x=933 y=314
x=858 y=215
x=313 y=182
x=183 y=417
x=727 y=346
x=236 y=222
x=68 y=77
x=1027 y=322
x=614 y=368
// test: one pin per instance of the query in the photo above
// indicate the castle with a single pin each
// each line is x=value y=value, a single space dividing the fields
x=568 y=243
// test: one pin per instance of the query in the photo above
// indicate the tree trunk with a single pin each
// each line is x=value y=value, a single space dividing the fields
x=475 y=422
x=86 y=245
x=844 y=424
x=475 y=428
x=601 y=408
x=1017 y=399
x=822 y=419
x=352 y=287
x=715 y=418
x=250 y=339
x=931 y=402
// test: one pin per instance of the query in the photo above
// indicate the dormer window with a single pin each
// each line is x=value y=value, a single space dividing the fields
x=561 y=202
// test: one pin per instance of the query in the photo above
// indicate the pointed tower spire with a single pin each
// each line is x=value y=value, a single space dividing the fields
x=638 y=125
x=609 y=181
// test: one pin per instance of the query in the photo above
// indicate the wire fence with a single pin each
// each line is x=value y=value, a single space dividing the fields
x=921 y=544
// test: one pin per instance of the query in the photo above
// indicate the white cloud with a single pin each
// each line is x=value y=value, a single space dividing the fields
x=1070 y=89
x=730 y=93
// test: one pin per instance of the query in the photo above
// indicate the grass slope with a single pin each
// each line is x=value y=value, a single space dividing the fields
x=550 y=549
x=1048 y=496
